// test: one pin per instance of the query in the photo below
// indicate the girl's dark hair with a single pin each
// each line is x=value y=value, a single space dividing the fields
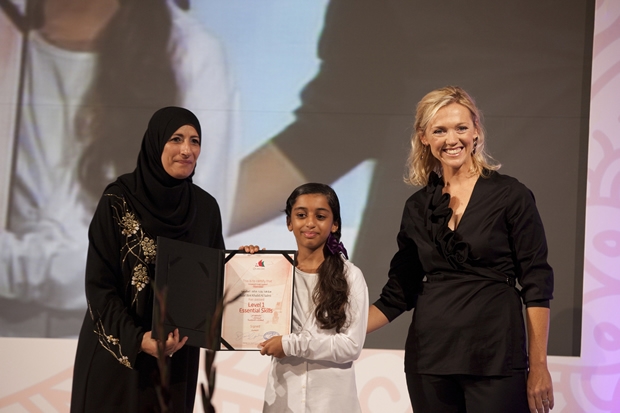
x=133 y=78
x=331 y=294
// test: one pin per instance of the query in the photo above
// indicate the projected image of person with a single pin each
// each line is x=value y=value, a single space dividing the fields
x=94 y=73
x=116 y=361
x=466 y=240
x=376 y=59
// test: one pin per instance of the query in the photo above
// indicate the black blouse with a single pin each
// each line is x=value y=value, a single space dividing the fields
x=463 y=284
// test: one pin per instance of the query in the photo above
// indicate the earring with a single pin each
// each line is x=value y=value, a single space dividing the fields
x=473 y=152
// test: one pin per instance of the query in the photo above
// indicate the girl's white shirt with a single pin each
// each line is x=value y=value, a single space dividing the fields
x=318 y=374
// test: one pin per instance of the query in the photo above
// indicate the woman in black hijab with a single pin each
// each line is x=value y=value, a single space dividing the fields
x=116 y=361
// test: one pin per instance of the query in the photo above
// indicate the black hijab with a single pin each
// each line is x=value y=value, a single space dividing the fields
x=164 y=205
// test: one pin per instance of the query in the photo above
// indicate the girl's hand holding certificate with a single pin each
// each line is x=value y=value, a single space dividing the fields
x=273 y=347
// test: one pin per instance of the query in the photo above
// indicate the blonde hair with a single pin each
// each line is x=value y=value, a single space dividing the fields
x=421 y=162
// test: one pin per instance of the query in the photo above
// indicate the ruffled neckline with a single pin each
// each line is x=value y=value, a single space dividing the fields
x=438 y=213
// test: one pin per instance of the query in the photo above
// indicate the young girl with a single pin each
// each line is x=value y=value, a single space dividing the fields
x=312 y=368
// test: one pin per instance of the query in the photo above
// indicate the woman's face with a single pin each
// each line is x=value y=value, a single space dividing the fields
x=181 y=152
x=451 y=136
x=311 y=221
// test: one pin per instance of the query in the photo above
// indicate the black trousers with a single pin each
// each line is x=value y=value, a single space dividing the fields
x=461 y=393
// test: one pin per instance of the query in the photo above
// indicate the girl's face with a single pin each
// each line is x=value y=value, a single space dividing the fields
x=311 y=221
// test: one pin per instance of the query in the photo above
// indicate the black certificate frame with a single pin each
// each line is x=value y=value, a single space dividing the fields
x=192 y=277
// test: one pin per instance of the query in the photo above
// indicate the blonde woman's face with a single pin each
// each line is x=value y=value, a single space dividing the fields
x=451 y=135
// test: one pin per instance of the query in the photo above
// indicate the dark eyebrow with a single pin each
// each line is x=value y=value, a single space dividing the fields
x=180 y=134
x=317 y=210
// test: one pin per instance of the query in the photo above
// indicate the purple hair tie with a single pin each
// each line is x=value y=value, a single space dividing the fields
x=334 y=246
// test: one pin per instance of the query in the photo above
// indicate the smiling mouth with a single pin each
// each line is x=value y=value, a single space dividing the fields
x=453 y=151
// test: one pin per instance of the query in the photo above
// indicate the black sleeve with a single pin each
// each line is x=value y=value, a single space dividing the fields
x=529 y=246
x=116 y=329
x=346 y=107
x=400 y=293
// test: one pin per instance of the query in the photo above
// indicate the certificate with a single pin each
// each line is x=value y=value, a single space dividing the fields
x=196 y=278
x=263 y=283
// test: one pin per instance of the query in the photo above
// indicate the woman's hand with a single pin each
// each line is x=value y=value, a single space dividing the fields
x=539 y=390
x=273 y=347
x=539 y=384
x=173 y=343
x=251 y=249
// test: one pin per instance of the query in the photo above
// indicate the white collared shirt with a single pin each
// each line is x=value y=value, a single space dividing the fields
x=318 y=374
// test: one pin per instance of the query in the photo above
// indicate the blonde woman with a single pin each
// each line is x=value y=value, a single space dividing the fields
x=472 y=252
